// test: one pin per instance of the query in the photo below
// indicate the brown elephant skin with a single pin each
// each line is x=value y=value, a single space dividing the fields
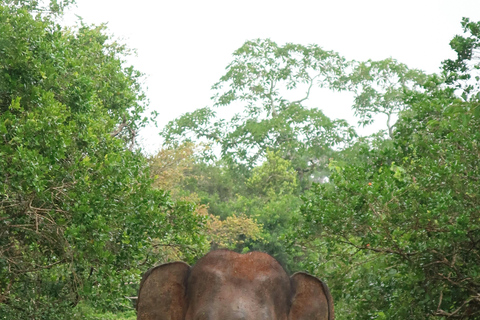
x=224 y=285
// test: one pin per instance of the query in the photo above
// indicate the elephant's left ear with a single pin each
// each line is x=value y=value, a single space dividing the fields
x=311 y=299
x=162 y=293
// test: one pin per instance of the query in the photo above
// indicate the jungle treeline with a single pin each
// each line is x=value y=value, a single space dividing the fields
x=390 y=221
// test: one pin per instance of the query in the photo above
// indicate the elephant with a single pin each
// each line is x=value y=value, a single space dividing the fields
x=225 y=285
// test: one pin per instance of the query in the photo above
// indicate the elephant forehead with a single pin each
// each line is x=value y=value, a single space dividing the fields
x=230 y=266
x=242 y=286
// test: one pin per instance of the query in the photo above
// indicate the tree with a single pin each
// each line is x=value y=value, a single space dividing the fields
x=274 y=177
x=396 y=230
x=407 y=218
x=462 y=73
x=77 y=210
x=270 y=83
x=170 y=166
x=380 y=87
x=233 y=232
x=271 y=198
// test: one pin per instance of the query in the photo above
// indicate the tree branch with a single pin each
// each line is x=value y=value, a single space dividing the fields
x=308 y=91
x=119 y=128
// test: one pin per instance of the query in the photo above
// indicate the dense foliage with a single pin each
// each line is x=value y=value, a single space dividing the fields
x=77 y=210
x=395 y=227
x=405 y=220
x=412 y=209
x=269 y=85
x=390 y=221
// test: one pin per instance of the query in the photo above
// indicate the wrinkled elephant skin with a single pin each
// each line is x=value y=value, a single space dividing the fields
x=225 y=285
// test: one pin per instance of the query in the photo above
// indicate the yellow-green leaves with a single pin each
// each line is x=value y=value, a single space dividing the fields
x=275 y=176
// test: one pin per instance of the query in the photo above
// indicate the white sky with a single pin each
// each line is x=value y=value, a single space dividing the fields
x=184 y=46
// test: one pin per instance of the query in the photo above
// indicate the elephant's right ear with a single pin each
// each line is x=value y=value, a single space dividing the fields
x=162 y=293
x=311 y=299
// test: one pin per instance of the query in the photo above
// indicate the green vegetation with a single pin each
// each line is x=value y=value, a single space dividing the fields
x=390 y=221
x=407 y=215
x=79 y=217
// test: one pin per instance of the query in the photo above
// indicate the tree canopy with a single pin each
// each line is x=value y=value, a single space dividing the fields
x=390 y=221
x=77 y=208
x=407 y=215
x=394 y=227
x=269 y=84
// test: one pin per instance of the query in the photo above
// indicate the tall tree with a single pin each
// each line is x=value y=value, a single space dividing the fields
x=380 y=87
x=406 y=219
x=270 y=84
x=77 y=211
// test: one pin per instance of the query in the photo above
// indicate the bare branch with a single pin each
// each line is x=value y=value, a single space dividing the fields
x=120 y=127
x=308 y=91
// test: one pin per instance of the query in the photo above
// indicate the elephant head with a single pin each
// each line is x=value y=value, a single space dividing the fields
x=225 y=285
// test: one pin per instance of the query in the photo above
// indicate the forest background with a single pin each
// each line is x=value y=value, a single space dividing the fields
x=390 y=221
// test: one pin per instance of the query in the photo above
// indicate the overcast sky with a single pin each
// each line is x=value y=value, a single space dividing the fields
x=184 y=46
